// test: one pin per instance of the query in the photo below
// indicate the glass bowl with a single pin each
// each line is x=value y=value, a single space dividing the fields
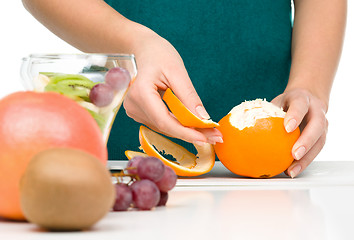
x=98 y=82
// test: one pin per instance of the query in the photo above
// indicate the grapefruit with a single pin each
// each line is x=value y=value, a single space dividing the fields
x=32 y=122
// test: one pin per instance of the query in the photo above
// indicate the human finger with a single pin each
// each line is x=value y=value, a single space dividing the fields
x=161 y=120
x=278 y=100
x=296 y=110
x=316 y=126
x=212 y=134
x=299 y=166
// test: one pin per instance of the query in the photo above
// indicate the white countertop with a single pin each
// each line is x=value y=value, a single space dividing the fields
x=219 y=205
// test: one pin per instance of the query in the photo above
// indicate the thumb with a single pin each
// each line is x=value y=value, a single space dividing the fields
x=184 y=90
x=278 y=101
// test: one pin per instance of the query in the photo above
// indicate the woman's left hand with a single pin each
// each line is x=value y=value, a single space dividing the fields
x=308 y=112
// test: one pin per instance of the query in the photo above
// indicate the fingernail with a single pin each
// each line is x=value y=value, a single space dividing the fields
x=202 y=112
x=290 y=126
x=300 y=152
x=216 y=139
x=199 y=143
x=295 y=171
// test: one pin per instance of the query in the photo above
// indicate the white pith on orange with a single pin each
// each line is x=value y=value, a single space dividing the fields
x=130 y=154
x=183 y=114
x=186 y=164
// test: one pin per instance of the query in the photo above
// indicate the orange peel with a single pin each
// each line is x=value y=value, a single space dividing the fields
x=186 y=164
x=183 y=114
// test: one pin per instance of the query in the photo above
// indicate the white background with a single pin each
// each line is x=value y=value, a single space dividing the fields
x=22 y=35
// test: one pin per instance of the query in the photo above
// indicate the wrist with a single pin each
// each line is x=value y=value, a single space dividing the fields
x=135 y=37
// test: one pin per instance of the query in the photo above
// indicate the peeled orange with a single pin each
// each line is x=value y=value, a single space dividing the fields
x=256 y=143
x=184 y=163
x=183 y=114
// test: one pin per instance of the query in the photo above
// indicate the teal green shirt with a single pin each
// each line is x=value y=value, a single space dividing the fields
x=233 y=50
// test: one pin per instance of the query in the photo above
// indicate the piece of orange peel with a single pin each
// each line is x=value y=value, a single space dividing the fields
x=183 y=114
x=185 y=163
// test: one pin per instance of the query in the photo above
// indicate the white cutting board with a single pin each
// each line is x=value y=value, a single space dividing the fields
x=321 y=173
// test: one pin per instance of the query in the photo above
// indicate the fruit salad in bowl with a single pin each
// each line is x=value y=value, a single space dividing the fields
x=97 y=82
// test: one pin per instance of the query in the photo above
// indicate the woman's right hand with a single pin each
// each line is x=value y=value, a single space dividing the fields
x=94 y=26
x=161 y=67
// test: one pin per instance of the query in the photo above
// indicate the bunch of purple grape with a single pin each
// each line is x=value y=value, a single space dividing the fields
x=116 y=79
x=150 y=182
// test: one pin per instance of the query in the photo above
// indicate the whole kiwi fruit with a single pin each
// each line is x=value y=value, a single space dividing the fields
x=65 y=189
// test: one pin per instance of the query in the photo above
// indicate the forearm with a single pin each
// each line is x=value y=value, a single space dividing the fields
x=89 y=25
x=318 y=34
